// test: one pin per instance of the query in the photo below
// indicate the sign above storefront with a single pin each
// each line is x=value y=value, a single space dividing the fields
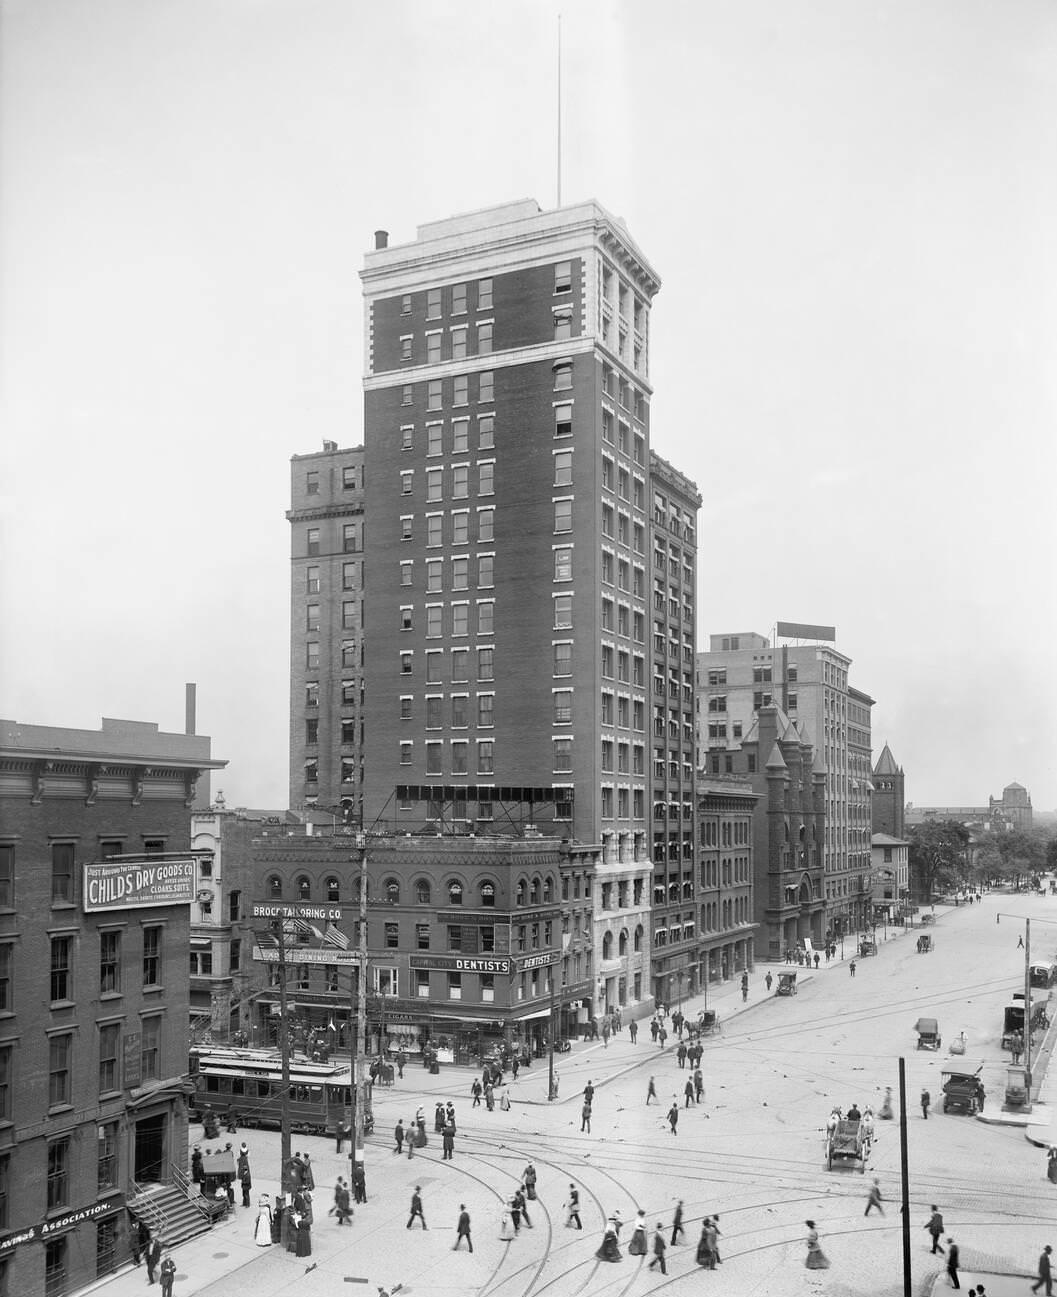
x=463 y=963
x=526 y=962
x=307 y=955
x=290 y=910
x=55 y=1224
x=124 y=884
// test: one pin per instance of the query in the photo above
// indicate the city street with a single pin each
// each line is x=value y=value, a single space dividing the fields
x=753 y=1152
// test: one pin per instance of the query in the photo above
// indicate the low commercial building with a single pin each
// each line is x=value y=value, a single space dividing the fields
x=890 y=876
x=96 y=883
x=472 y=941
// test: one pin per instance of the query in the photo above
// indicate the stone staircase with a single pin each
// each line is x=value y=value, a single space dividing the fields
x=170 y=1211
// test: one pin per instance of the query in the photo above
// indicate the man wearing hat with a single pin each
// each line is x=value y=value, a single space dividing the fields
x=1045 y=1280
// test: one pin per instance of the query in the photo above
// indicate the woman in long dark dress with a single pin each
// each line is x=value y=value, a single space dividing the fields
x=706 y=1255
x=816 y=1259
x=1051 y=1165
x=304 y=1237
x=637 y=1246
x=609 y=1251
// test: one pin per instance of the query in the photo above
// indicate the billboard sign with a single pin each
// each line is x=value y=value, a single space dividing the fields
x=135 y=883
x=805 y=630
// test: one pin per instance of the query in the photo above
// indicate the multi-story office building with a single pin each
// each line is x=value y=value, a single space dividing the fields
x=96 y=884
x=742 y=673
x=326 y=630
x=509 y=487
x=677 y=943
x=726 y=877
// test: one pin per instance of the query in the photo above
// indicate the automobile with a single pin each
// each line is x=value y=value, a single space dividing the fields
x=786 y=984
x=962 y=1087
x=867 y=946
x=925 y=944
x=928 y=1030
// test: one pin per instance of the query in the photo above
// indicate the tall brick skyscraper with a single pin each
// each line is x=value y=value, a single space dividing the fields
x=509 y=515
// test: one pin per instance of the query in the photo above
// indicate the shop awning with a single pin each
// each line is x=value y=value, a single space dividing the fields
x=540 y=1013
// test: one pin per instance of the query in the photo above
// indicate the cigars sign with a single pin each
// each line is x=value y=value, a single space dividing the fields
x=130 y=883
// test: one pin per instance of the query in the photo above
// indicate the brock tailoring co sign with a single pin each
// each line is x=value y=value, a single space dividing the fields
x=125 y=884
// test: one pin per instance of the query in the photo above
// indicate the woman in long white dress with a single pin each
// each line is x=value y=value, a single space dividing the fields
x=262 y=1231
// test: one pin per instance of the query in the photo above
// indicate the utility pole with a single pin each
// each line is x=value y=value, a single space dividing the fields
x=359 y=1035
x=550 y=1036
x=904 y=1168
x=1027 y=1007
x=284 y=1055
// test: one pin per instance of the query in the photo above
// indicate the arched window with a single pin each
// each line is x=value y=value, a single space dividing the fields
x=455 y=892
x=548 y=890
x=623 y=944
x=422 y=892
x=488 y=894
x=638 y=937
x=304 y=888
x=607 y=946
x=535 y=893
x=333 y=889
x=275 y=887
x=392 y=891
x=522 y=892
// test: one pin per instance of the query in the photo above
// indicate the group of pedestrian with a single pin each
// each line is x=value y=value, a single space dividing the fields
x=147 y=1249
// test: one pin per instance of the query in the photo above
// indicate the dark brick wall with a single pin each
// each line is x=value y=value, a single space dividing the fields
x=30 y=1016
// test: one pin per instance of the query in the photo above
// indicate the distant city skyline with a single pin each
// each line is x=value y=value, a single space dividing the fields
x=851 y=212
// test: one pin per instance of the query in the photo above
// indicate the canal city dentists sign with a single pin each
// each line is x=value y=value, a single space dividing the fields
x=482 y=963
x=124 y=885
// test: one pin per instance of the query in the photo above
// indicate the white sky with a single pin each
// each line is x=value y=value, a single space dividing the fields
x=852 y=207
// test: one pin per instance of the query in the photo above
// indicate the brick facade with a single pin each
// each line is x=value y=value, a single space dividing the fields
x=93 y=1003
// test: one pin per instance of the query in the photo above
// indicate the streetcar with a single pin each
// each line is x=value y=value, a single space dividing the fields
x=1042 y=974
x=249 y=1084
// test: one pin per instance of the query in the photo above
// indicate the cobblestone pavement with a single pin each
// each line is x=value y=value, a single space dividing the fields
x=755 y=1160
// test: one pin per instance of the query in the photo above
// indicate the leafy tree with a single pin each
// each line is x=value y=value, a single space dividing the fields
x=938 y=856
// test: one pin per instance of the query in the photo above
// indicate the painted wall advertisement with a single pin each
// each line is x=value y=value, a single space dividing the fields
x=125 y=885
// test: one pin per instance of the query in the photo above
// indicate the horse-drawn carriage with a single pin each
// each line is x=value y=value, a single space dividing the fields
x=786 y=984
x=925 y=943
x=845 y=1142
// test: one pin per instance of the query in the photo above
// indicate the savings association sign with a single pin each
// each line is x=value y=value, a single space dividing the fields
x=136 y=882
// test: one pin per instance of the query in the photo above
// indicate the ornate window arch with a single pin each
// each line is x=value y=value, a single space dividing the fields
x=488 y=894
x=275 y=887
x=534 y=891
x=548 y=889
x=303 y=887
x=455 y=892
x=638 y=937
x=622 y=944
x=521 y=895
x=422 y=892
x=392 y=891
x=333 y=887
x=607 y=946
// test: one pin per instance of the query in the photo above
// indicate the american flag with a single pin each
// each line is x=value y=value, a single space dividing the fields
x=335 y=937
x=297 y=927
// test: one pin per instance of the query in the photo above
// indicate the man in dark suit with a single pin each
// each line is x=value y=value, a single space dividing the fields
x=463 y=1231
x=153 y=1258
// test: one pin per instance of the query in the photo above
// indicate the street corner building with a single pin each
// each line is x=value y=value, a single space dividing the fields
x=96 y=883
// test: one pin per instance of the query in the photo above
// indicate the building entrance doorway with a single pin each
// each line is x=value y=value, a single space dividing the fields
x=149 y=1154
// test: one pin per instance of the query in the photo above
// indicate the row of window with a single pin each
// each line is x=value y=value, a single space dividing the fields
x=459 y=670
x=351 y=731
x=460 y=436
x=456 y=296
x=458 y=624
x=351 y=540
x=460 y=484
x=460 y=344
x=351 y=693
x=351 y=577
x=63 y=866
x=350 y=652
x=351 y=479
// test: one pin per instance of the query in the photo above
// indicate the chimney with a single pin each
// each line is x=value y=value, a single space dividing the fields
x=381 y=239
x=189 y=708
